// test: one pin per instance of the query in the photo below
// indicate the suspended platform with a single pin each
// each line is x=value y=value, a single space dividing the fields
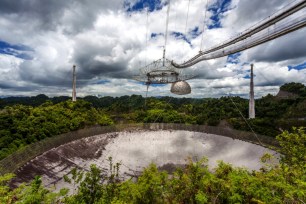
x=163 y=72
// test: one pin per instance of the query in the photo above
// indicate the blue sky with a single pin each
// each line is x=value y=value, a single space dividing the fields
x=297 y=67
x=233 y=58
x=19 y=51
x=110 y=40
x=217 y=9
x=150 y=5
x=103 y=81
x=182 y=36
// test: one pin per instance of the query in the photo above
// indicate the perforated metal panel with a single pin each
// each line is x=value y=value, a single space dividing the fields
x=161 y=72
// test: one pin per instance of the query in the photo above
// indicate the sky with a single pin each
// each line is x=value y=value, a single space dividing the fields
x=109 y=41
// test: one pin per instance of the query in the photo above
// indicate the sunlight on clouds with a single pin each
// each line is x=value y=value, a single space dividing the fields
x=106 y=41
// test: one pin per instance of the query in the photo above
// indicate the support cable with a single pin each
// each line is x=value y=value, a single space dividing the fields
x=161 y=113
x=204 y=25
x=246 y=121
x=283 y=13
x=147 y=25
x=175 y=19
x=187 y=19
x=185 y=32
x=68 y=73
x=264 y=23
x=166 y=33
x=145 y=105
x=253 y=41
x=65 y=80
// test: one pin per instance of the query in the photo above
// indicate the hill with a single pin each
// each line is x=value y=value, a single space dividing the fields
x=292 y=90
x=24 y=120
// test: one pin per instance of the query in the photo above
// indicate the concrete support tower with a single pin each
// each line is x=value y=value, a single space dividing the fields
x=252 y=100
x=73 y=84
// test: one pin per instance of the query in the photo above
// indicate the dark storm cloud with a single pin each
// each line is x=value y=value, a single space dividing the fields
x=5 y=86
x=105 y=42
x=253 y=11
x=28 y=72
x=291 y=46
x=13 y=87
x=49 y=78
x=105 y=59
x=49 y=14
x=288 y=47
x=83 y=14
x=91 y=68
x=46 y=13
x=273 y=82
x=73 y=17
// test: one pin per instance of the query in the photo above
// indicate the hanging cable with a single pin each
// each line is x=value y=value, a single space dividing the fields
x=204 y=24
x=64 y=80
x=145 y=105
x=147 y=25
x=185 y=31
x=166 y=33
x=187 y=17
x=175 y=19
x=249 y=33
x=246 y=121
x=167 y=103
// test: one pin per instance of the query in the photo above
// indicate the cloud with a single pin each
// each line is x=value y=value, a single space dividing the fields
x=288 y=47
x=109 y=41
x=218 y=8
x=246 y=13
x=74 y=16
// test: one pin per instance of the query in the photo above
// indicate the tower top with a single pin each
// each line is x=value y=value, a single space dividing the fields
x=73 y=83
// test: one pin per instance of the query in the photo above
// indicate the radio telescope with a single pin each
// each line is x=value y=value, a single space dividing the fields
x=163 y=72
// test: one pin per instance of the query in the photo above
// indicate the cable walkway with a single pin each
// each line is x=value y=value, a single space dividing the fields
x=255 y=35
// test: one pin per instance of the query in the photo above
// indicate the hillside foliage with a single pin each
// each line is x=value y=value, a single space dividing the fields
x=21 y=125
x=296 y=88
x=25 y=120
x=30 y=119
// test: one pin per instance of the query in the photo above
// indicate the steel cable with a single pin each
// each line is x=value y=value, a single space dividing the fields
x=257 y=28
x=253 y=41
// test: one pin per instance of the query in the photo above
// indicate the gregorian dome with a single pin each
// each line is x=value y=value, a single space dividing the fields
x=180 y=88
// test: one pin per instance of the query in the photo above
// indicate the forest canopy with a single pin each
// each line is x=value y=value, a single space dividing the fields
x=25 y=120
x=21 y=125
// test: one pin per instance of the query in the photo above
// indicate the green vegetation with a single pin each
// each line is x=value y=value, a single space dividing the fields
x=296 y=88
x=24 y=120
x=194 y=183
x=21 y=125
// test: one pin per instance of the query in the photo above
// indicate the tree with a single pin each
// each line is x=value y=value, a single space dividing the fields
x=293 y=148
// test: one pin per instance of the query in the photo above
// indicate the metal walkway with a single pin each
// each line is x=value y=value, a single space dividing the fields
x=255 y=35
